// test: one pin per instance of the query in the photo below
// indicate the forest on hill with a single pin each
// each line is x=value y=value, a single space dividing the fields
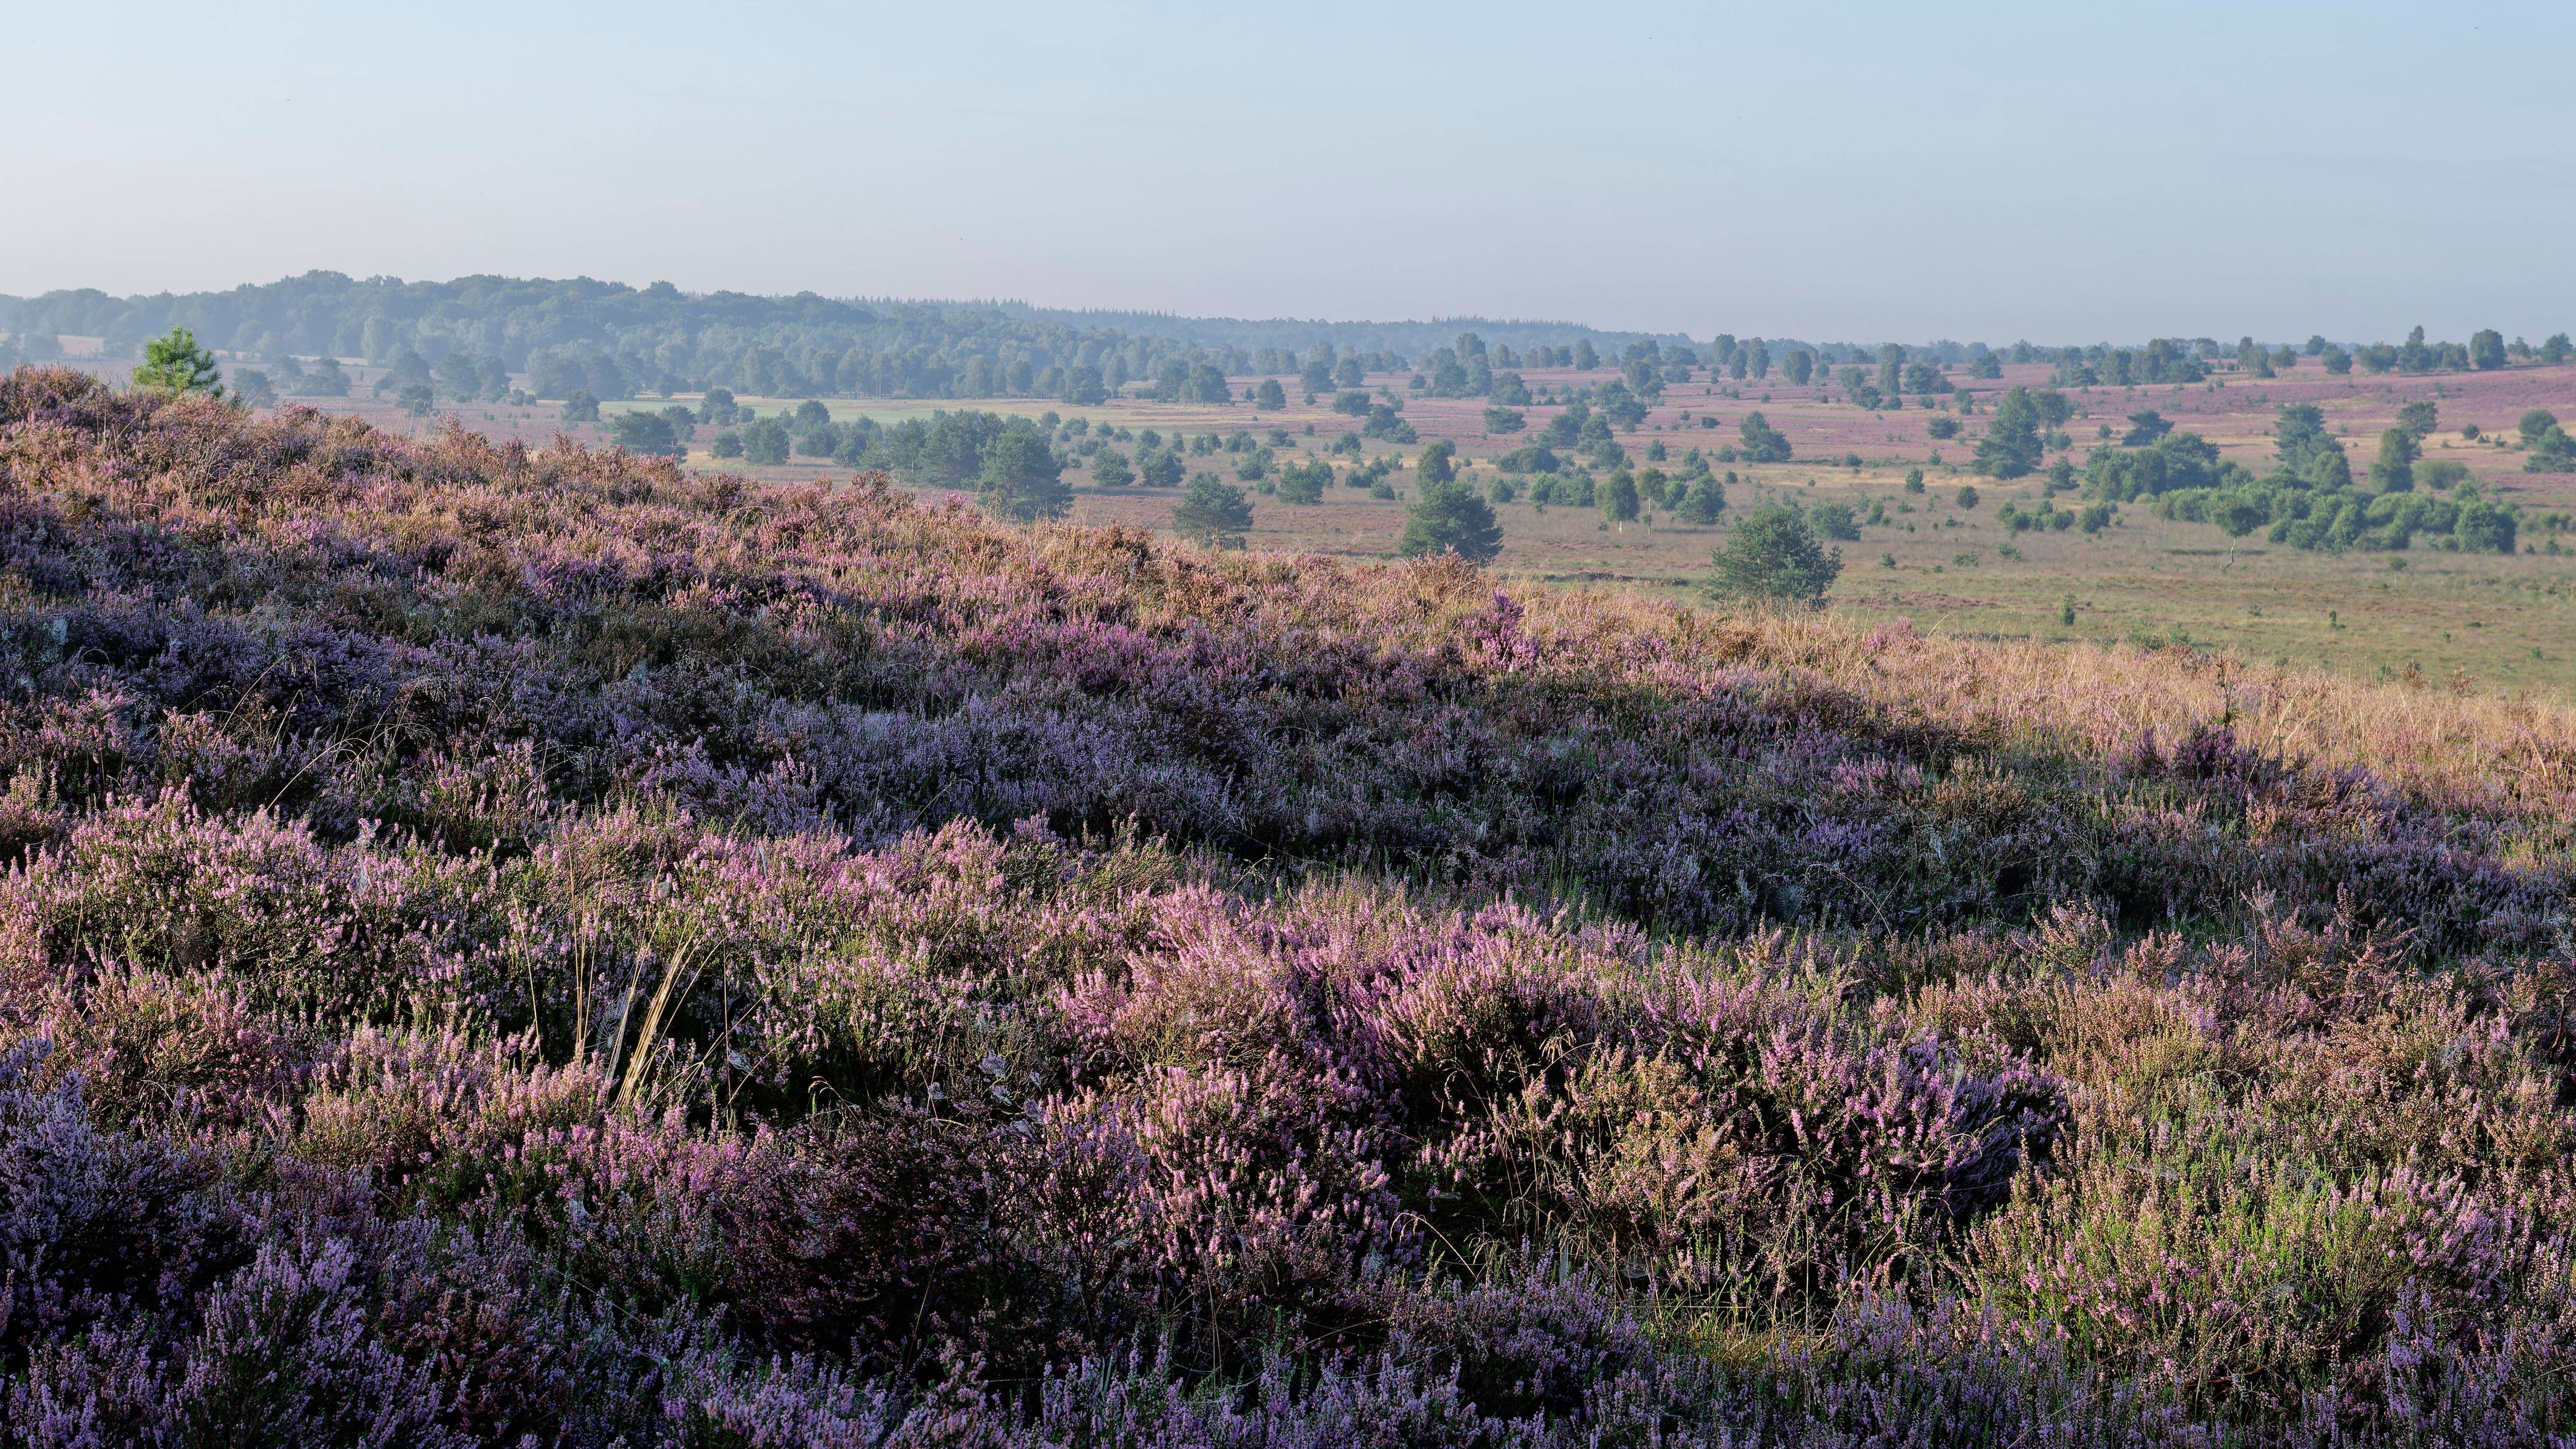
x=616 y=341
x=535 y=945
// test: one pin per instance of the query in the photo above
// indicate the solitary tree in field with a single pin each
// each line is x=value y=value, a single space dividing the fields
x=1800 y=365
x=1438 y=463
x=1213 y=514
x=2486 y=350
x=1773 y=557
x=174 y=363
x=1448 y=517
x=1269 y=396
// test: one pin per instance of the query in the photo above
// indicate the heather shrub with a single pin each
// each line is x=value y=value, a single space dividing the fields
x=95 y=1227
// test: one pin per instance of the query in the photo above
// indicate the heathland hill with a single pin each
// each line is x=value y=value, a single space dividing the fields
x=515 y=942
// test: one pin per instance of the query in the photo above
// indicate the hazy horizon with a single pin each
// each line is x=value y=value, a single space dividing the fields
x=2020 y=172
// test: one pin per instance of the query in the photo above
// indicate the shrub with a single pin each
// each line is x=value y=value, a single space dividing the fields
x=1773 y=555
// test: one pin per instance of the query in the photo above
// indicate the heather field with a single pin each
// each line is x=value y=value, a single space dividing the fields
x=2462 y=621
x=516 y=945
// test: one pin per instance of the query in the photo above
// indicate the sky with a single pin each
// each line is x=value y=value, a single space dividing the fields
x=2065 y=173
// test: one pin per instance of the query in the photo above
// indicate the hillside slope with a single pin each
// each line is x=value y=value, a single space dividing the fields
x=507 y=942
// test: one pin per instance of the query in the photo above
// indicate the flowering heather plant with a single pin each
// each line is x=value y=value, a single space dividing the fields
x=507 y=947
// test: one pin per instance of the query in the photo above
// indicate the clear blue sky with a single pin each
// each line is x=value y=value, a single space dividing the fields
x=2065 y=172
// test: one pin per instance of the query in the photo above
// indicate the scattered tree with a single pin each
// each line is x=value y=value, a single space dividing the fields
x=764 y=444
x=1021 y=478
x=1213 y=514
x=1449 y=517
x=2393 y=471
x=2011 y=446
x=648 y=434
x=1759 y=442
x=1160 y=468
x=583 y=407
x=2486 y=350
x=1772 y=556
x=175 y=363
x=1109 y=469
x=1619 y=499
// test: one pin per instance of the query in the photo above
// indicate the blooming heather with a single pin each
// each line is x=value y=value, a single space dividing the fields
x=511 y=947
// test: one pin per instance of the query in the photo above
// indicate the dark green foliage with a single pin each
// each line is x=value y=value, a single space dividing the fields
x=1942 y=427
x=582 y=407
x=2337 y=361
x=1620 y=501
x=2420 y=418
x=1759 y=442
x=1083 y=387
x=1509 y=391
x=1021 y=478
x=1449 y=517
x=2393 y=471
x=1703 y=503
x=1213 y=514
x=1835 y=521
x=2482 y=527
x=647 y=434
x=1615 y=401
x=1269 y=396
x=1438 y=463
x=2144 y=428
x=1800 y=365
x=1505 y=420
x=1110 y=469
x=766 y=443
x=2176 y=460
x=1384 y=424
x=175 y=363
x=2486 y=350
x=1968 y=496
x=1305 y=482
x=1160 y=468
x=2011 y=446
x=1772 y=556
x=1532 y=458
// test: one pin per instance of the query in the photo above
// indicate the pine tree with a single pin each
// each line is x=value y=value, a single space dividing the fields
x=1213 y=514
x=1449 y=517
x=2011 y=446
x=1021 y=478
x=1773 y=557
x=176 y=364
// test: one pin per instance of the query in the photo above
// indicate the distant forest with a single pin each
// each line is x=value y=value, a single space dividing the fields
x=616 y=341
